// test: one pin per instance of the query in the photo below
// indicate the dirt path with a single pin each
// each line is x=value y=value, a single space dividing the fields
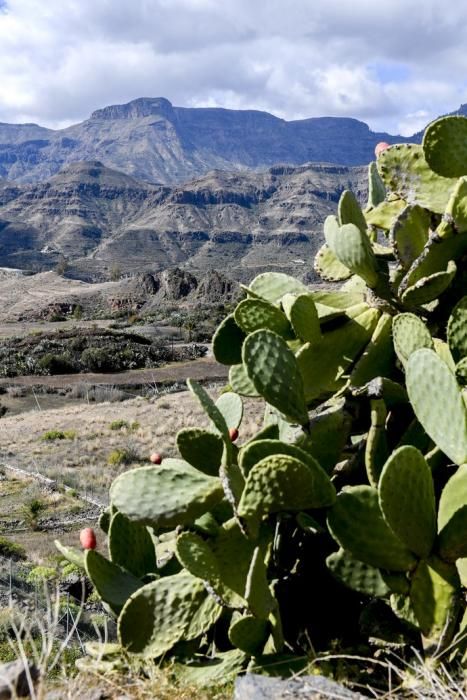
x=203 y=369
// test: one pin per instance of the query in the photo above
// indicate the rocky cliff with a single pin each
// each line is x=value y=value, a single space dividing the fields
x=241 y=222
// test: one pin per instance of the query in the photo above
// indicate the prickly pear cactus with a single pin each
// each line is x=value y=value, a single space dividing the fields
x=351 y=499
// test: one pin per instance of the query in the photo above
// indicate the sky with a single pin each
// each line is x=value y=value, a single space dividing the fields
x=395 y=64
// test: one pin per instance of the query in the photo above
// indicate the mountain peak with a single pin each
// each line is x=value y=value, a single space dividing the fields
x=141 y=107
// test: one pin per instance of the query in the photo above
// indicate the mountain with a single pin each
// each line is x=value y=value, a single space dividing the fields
x=236 y=222
x=154 y=141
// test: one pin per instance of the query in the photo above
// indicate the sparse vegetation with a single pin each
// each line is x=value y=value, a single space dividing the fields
x=52 y=435
x=10 y=549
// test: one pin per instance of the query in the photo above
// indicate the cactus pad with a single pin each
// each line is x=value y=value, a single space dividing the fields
x=378 y=358
x=260 y=600
x=173 y=493
x=437 y=401
x=349 y=211
x=253 y=314
x=255 y=451
x=227 y=342
x=158 y=615
x=409 y=334
x=357 y=524
x=329 y=267
x=444 y=146
x=405 y=172
x=376 y=188
x=131 y=546
x=202 y=449
x=249 y=634
x=407 y=499
x=452 y=538
x=457 y=330
x=274 y=371
x=357 y=575
x=113 y=584
x=409 y=234
x=428 y=288
x=231 y=406
x=71 y=554
x=353 y=249
x=272 y=286
x=281 y=482
x=434 y=594
x=303 y=316
x=241 y=382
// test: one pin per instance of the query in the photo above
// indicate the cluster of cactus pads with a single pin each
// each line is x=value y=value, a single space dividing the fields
x=345 y=516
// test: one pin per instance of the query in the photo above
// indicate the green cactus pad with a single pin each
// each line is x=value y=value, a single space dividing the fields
x=409 y=234
x=405 y=172
x=455 y=217
x=376 y=188
x=327 y=435
x=253 y=314
x=376 y=448
x=378 y=358
x=131 y=546
x=303 y=316
x=282 y=483
x=173 y=493
x=407 y=499
x=322 y=366
x=328 y=267
x=113 y=584
x=255 y=451
x=249 y=634
x=272 y=286
x=442 y=350
x=195 y=555
x=409 y=334
x=353 y=249
x=452 y=543
x=71 y=554
x=233 y=552
x=241 y=382
x=434 y=592
x=461 y=566
x=211 y=671
x=428 y=288
x=260 y=600
x=350 y=212
x=457 y=330
x=227 y=342
x=204 y=618
x=357 y=575
x=444 y=145
x=210 y=409
x=383 y=388
x=357 y=524
x=383 y=215
x=158 y=614
x=453 y=497
x=437 y=401
x=274 y=371
x=104 y=520
x=202 y=449
x=231 y=406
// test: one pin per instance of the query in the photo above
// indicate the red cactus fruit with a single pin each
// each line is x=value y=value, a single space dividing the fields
x=87 y=537
x=233 y=432
x=155 y=458
x=380 y=147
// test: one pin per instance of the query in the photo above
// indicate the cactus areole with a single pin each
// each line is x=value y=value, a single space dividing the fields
x=343 y=517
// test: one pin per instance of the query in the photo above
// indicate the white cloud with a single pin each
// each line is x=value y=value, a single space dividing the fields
x=393 y=64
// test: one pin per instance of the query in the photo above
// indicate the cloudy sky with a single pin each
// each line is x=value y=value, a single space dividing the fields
x=395 y=64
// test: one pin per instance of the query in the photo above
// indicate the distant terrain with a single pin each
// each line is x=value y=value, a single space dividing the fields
x=98 y=219
x=152 y=140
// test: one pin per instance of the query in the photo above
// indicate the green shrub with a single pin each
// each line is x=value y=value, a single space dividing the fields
x=40 y=574
x=121 y=456
x=11 y=550
x=97 y=360
x=56 y=364
x=118 y=424
x=52 y=435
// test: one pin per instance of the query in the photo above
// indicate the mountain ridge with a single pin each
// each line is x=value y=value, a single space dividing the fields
x=155 y=141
